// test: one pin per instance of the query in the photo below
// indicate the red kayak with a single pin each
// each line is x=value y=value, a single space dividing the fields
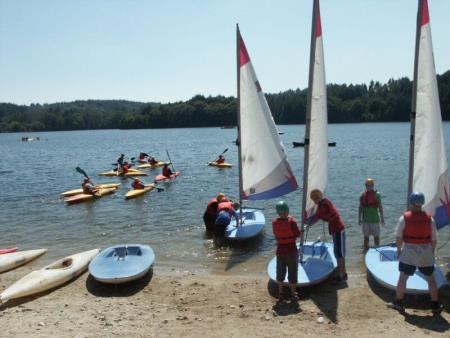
x=8 y=250
x=160 y=178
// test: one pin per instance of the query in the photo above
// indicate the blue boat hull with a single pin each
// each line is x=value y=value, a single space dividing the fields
x=382 y=264
x=253 y=224
x=122 y=263
x=318 y=264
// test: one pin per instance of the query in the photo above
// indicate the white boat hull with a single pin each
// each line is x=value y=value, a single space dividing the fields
x=15 y=259
x=50 y=276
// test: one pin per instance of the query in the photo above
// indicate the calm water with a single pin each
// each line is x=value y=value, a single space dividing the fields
x=33 y=174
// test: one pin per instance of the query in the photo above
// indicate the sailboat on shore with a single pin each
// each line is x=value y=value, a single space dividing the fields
x=264 y=171
x=316 y=259
x=428 y=168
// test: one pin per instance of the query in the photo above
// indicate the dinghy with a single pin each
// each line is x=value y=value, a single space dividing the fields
x=264 y=171
x=316 y=260
x=122 y=263
x=15 y=259
x=50 y=276
x=428 y=168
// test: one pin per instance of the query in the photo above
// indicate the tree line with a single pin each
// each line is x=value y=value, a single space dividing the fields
x=389 y=102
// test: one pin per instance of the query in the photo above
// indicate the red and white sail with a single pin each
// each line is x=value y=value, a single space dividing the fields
x=429 y=165
x=265 y=170
x=316 y=135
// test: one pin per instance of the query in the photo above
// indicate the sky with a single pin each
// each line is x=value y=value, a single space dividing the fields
x=168 y=51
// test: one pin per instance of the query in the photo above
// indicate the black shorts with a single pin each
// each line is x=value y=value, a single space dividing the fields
x=410 y=269
x=209 y=221
x=289 y=263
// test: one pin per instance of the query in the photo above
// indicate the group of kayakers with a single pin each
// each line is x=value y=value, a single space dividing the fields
x=415 y=237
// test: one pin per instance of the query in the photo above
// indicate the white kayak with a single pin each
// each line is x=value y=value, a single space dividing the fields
x=15 y=259
x=50 y=276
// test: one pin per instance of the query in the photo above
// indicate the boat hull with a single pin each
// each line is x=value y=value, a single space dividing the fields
x=318 y=264
x=139 y=192
x=50 y=276
x=220 y=165
x=15 y=259
x=253 y=225
x=382 y=264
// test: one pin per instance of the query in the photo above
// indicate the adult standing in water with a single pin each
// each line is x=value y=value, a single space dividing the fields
x=416 y=243
x=210 y=214
x=370 y=213
x=327 y=212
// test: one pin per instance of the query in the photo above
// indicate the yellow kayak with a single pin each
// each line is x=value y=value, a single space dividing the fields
x=138 y=192
x=80 y=191
x=88 y=197
x=151 y=166
x=131 y=172
x=220 y=165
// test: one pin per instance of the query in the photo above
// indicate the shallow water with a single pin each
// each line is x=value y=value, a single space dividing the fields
x=33 y=175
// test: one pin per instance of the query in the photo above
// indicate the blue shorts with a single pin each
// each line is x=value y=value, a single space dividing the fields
x=339 y=244
x=410 y=269
x=222 y=221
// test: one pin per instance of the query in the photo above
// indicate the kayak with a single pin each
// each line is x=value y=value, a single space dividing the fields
x=98 y=186
x=15 y=259
x=160 y=178
x=89 y=197
x=131 y=172
x=122 y=263
x=220 y=165
x=151 y=166
x=138 y=192
x=7 y=250
x=50 y=276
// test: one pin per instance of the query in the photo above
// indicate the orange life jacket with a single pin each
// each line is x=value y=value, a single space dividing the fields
x=227 y=206
x=137 y=185
x=368 y=199
x=417 y=227
x=211 y=208
x=282 y=229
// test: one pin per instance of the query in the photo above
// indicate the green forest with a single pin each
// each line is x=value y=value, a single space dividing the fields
x=389 y=102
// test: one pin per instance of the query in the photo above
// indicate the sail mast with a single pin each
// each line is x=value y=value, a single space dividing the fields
x=238 y=66
x=312 y=54
x=414 y=103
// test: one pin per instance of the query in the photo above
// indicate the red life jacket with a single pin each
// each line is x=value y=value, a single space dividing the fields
x=227 y=206
x=152 y=161
x=167 y=172
x=211 y=208
x=334 y=220
x=417 y=227
x=282 y=229
x=137 y=185
x=368 y=199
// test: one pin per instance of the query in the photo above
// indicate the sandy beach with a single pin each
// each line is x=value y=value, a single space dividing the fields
x=182 y=303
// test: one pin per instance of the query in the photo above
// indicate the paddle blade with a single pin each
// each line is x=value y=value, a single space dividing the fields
x=224 y=151
x=81 y=171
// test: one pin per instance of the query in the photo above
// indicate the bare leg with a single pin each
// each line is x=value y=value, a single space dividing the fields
x=376 y=240
x=432 y=287
x=366 y=243
x=341 y=267
x=401 y=285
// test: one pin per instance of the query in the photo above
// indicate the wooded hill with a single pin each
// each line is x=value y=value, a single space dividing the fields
x=389 y=102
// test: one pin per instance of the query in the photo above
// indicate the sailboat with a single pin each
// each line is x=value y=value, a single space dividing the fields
x=428 y=169
x=316 y=259
x=264 y=171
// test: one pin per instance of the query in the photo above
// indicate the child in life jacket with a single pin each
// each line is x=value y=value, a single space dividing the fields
x=137 y=184
x=286 y=232
x=166 y=171
x=221 y=159
x=88 y=187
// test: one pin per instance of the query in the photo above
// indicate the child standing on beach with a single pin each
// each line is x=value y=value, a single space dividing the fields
x=286 y=232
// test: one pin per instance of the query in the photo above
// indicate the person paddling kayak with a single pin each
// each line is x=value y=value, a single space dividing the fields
x=137 y=184
x=88 y=186
x=220 y=160
x=166 y=171
x=151 y=160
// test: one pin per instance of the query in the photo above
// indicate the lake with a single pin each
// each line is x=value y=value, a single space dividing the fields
x=33 y=174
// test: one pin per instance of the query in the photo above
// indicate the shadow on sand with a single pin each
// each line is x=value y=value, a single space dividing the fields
x=430 y=322
x=118 y=290
x=323 y=295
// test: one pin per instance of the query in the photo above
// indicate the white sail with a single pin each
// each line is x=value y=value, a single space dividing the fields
x=430 y=169
x=316 y=155
x=266 y=172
